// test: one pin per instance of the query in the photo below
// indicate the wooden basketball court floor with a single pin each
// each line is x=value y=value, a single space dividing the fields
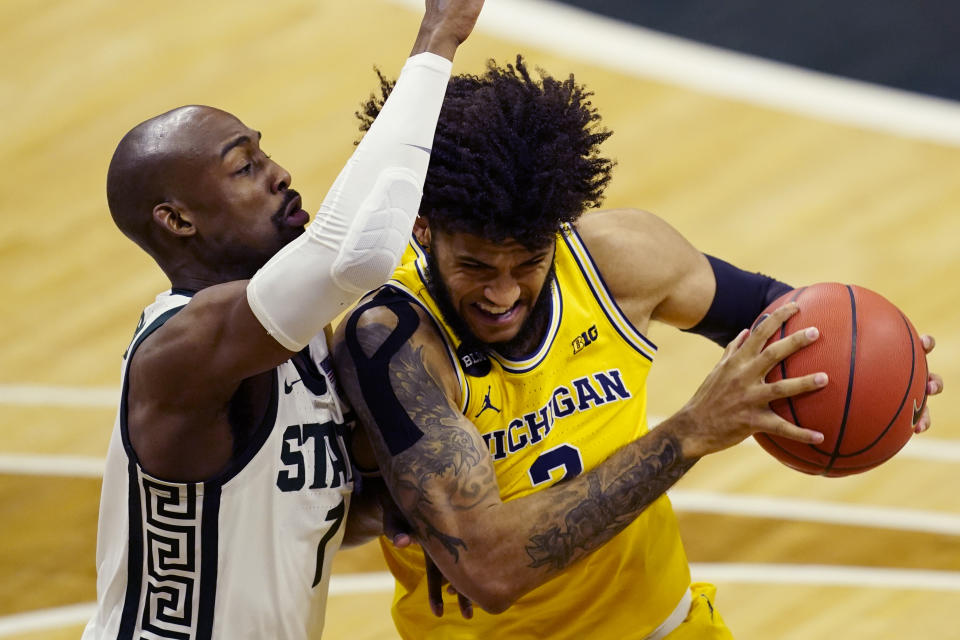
x=871 y=556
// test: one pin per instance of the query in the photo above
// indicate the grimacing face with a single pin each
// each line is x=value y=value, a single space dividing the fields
x=492 y=286
x=242 y=206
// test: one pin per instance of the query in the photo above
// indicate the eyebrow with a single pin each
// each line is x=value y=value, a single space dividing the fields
x=470 y=258
x=241 y=139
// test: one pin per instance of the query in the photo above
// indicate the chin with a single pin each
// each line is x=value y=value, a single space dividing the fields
x=289 y=234
x=498 y=339
x=496 y=336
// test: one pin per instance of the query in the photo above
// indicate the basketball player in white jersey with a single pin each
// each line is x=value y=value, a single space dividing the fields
x=227 y=483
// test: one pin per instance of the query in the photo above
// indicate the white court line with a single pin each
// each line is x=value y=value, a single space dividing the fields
x=35 y=395
x=919 y=447
x=45 y=619
x=645 y=53
x=683 y=500
x=827 y=575
x=345 y=584
x=817 y=511
x=52 y=465
x=382 y=582
x=924 y=447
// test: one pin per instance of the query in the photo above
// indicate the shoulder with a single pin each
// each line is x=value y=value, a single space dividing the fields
x=192 y=321
x=385 y=329
x=612 y=234
x=640 y=256
x=381 y=313
x=200 y=355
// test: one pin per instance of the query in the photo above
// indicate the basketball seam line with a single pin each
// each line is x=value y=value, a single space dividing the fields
x=853 y=368
x=903 y=401
x=783 y=363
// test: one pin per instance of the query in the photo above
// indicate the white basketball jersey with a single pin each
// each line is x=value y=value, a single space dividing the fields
x=244 y=555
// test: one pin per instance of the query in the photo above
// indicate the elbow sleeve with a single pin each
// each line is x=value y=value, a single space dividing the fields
x=740 y=297
x=358 y=237
x=379 y=234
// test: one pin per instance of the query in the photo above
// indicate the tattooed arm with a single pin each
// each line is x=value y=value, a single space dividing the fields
x=396 y=372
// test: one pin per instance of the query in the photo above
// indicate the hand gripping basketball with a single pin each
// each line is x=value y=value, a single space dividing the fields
x=733 y=401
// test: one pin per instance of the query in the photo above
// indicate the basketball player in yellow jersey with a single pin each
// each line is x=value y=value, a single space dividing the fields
x=501 y=379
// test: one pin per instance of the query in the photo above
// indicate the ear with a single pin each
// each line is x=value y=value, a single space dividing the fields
x=174 y=219
x=421 y=231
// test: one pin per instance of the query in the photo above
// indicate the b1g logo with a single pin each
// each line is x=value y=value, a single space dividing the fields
x=475 y=363
x=585 y=339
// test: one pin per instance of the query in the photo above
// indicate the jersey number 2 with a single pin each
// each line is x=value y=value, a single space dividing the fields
x=335 y=515
x=564 y=456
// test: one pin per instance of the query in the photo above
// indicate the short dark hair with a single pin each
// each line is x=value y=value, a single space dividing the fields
x=513 y=157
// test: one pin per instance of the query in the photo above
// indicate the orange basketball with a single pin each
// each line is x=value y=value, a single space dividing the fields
x=878 y=380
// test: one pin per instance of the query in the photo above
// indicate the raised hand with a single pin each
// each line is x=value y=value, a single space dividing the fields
x=445 y=25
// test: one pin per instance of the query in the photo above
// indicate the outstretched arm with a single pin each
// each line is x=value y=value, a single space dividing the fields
x=365 y=221
x=445 y=25
x=184 y=376
x=394 y=368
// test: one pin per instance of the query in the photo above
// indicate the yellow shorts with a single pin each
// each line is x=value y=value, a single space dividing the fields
x=704 y=621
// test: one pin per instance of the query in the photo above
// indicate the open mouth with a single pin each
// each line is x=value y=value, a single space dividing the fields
x=491 y=314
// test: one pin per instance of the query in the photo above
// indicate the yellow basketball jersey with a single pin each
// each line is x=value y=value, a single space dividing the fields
x=559 y=412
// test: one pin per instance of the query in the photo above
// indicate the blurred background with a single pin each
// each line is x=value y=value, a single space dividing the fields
x=813 y=141
x=905 y=45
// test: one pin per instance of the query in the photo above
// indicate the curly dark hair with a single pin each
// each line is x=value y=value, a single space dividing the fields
x=513 y=157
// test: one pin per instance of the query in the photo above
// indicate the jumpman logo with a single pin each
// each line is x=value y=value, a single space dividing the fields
x=486 y=404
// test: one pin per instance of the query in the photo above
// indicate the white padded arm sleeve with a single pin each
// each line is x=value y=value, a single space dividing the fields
x=363 y=226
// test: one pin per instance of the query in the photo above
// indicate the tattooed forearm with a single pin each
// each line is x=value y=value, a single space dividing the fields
x=450 y=543
x=446 y=452
x=443 y=467
x=604 y=508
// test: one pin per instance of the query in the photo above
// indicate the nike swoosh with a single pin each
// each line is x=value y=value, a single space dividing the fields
x=416 y=146
x=288 y=386
x=918 y=411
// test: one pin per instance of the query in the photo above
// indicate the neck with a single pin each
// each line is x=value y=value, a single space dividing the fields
x=196 y=279
x=527 y=340
x=188 y=275
x=184 y=272
x=190 y=284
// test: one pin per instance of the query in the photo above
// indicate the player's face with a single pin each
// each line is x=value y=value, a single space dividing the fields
x=493 y=286
x=243 y=207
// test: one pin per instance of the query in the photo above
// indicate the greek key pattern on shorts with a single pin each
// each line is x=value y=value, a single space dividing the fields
x=172 y=534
